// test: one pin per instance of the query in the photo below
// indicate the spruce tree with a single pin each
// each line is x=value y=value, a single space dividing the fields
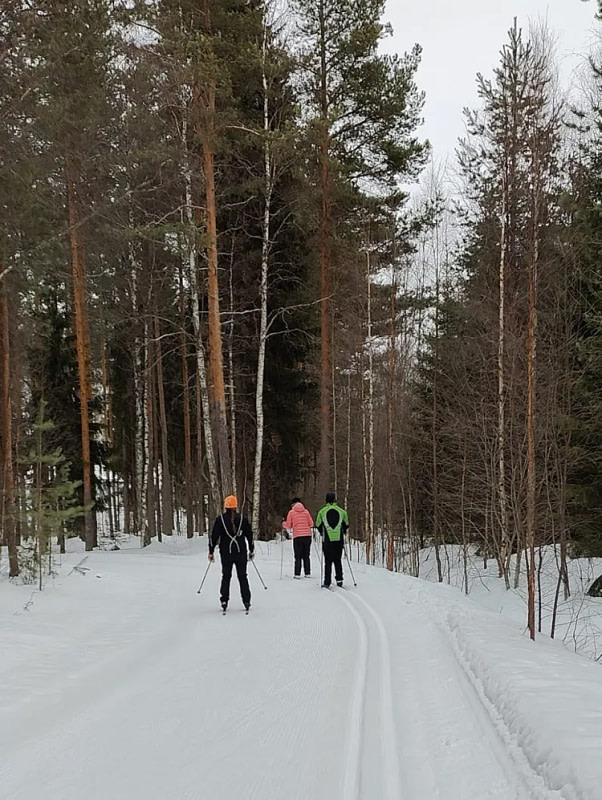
x=584 y=424
x=50 y=499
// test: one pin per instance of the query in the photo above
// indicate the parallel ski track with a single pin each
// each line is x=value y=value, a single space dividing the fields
x=353 y=757
x=502 y=743
x=497 y=740
x=388 y=736
x=388 y=730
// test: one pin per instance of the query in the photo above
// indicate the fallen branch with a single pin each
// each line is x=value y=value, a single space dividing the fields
x=78 y=567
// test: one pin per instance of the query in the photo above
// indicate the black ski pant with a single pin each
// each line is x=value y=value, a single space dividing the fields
x=238 y=560
x=302 y=549
x=333 y=553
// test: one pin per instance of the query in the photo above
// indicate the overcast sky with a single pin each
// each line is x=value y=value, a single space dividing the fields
x=462 y=37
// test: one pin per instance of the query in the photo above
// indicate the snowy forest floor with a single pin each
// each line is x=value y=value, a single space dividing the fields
x=122 y=682
x=578 y=618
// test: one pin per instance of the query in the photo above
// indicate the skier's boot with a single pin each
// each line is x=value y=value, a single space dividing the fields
x=339 y=583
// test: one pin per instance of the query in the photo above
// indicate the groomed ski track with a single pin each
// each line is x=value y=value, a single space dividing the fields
x=341 y=695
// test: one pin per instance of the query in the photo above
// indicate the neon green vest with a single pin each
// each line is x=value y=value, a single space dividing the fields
x=334 y=534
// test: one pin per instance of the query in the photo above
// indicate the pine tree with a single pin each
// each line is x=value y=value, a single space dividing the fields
x=71 y=45
x=363 y=108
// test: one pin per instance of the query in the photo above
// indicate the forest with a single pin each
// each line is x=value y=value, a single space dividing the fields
x=230 y=264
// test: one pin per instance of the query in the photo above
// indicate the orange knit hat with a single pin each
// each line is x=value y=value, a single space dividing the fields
x=230 y=502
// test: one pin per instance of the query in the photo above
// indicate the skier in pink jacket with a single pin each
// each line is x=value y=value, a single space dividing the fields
x=300 y=521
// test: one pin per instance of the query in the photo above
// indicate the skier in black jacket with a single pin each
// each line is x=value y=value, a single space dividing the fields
x=232 y=531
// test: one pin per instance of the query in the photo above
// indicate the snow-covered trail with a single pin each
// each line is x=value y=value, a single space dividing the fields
x=125 y=684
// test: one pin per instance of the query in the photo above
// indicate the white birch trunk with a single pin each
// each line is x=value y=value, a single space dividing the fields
x=263 y=292
x=368 y=541
x=435 y=449
x=348 y=454
x=370 y=471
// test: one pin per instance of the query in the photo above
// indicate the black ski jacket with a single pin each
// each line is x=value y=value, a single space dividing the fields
x=232 y=539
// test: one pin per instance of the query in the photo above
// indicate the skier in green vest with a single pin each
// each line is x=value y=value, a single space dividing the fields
x=332 y=522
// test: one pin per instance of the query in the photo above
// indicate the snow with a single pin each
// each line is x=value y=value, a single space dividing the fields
x=122 y=682
x=579 y=617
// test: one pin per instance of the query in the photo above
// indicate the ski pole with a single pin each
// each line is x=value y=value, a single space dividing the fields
x=281 y=553
x=319 y=558
x=257 y=571
x=349 y=565
x=316 y=550
x=204 y=576
x=322 y=562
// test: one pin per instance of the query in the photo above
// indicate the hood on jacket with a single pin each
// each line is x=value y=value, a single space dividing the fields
x=298 y=506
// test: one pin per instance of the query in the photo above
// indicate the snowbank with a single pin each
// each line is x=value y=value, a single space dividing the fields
x=545 y=702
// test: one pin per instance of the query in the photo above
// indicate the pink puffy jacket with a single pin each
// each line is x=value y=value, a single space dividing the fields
x=299 y=520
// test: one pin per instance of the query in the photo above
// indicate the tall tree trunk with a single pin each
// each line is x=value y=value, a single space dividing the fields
x=231 y=377
x=370 y=470
x=206 y=135
x=334 y=421
x=7 y=528
x=107 y=432
x=348 y=454
x=504 y=551
x=216 y=360
x=188 y=496
x=166 y=498
x=326 y=321
x=531 y=412
x=39 y=495
x=201 y=399
x=141 y=363
x=141 y=507
x=390 y=404
x=435 y=453
x=151 y=418
x=369 y=542
x=107 y=400
x=129 y=491
x=263 y=290
x=82 y=336
x=16 y=373
x=193 y=281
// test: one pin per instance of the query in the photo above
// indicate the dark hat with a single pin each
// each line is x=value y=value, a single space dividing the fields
x=331 y=497
x=295 y=500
